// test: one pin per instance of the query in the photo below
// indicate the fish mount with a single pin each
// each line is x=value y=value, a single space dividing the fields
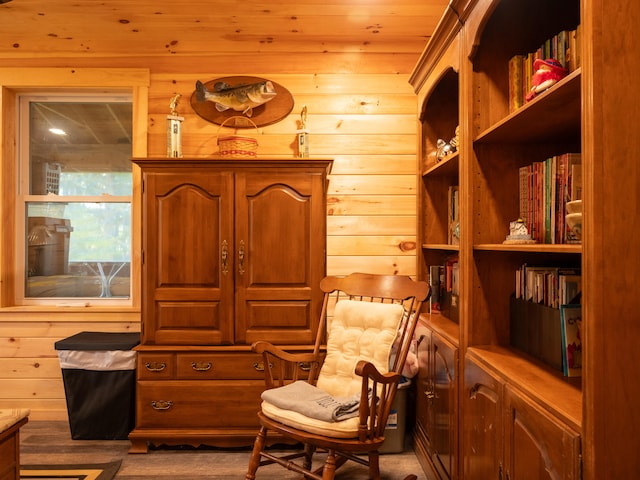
x=264 y=101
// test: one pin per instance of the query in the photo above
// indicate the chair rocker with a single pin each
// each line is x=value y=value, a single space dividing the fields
x=337 y=402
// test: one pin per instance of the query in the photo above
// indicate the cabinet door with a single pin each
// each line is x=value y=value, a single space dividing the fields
x=482 y=407
x=424 y=386
x=537 y=446
x=280 y=255
x=187 y=246
x=445 y=412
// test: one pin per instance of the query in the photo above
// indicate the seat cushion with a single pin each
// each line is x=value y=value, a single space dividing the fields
x=357 y=331
x=343 y=429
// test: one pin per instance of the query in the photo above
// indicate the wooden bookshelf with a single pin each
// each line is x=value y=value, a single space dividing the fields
x=528 y=410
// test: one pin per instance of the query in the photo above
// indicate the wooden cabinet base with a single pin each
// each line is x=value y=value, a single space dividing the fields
x=141 y=438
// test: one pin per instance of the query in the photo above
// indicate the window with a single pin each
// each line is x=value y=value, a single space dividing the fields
x=75 y=191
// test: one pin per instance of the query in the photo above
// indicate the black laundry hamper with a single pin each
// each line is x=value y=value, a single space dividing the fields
x=98 y=371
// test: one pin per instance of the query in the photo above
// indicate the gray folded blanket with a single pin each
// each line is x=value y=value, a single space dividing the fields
x=312 y=402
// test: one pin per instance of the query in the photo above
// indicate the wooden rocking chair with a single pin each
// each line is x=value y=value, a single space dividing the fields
x=368 y=338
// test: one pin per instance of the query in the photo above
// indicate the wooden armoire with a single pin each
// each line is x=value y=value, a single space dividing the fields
x=233 y=252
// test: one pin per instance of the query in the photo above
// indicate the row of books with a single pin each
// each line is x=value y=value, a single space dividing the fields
x=545 y=187
x=552 y=335
x=564 y=47
x=546 y=316
x=550 y=286
x=444 y=282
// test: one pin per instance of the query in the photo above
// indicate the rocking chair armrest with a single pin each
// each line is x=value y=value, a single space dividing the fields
x=262 y=347
x=281 y=367
x=367 y=370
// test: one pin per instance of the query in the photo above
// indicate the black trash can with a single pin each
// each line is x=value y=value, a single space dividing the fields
x=99 y=375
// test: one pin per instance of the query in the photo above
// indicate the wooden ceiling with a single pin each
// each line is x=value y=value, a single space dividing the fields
x=112 y=28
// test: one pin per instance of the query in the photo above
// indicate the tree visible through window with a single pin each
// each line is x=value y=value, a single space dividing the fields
x=75 y=187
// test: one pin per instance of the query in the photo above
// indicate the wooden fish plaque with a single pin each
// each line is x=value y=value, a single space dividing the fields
x=262 y=100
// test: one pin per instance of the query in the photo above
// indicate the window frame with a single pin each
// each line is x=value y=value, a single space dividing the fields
x=24 y=197
x=16 y=81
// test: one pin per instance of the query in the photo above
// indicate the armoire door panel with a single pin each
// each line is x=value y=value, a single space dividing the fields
x=190 y=293
x=278 y=266
x=185 y=256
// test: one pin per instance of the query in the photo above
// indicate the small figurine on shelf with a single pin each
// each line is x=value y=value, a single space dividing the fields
x=455 y=141
x=442 y=149
x=547 y=73
x=518 y=233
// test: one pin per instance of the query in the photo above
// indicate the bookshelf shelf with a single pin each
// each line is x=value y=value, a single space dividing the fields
x=441 y=246
x=447 y=167
x=553 y=115
x=535 y=248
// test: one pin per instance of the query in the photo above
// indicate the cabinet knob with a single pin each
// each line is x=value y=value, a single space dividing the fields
x=155 y=366
x=161 y=404
x=201 y=366
x=429 y=394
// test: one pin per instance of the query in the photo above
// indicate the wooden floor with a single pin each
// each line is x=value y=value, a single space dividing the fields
x=50 y=443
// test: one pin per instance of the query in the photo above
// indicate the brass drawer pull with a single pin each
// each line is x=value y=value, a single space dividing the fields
x=225 y=257
x=259 y=366
x=241 y=258
x=201 y=366
x=305 y=366
x=161 y=404
x=155 y=366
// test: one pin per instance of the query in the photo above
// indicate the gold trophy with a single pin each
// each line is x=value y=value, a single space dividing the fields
x=303 y=135
x=174 y=129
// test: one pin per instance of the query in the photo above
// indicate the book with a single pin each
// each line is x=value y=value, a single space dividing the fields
x=436 y=272
x=571 y=323
x=453 y=227
x=544 y=188
x=570 y=288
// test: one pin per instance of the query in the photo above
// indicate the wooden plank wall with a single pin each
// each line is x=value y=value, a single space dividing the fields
x=362 y=113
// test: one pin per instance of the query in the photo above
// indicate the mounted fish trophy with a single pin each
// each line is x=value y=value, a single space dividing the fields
x=263 y=101
x=242 y=98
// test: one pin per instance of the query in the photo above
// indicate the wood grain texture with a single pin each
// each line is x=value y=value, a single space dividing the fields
x=348 y=62
x=50 y=442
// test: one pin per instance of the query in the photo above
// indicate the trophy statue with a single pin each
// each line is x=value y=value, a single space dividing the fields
x=174 y=129
x=303 y=135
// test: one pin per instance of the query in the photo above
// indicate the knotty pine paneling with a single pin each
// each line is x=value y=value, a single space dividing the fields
x=361 y=113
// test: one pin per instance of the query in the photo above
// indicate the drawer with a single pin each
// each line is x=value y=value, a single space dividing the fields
x=198 y=404
x=155 y=366
x=231 y=366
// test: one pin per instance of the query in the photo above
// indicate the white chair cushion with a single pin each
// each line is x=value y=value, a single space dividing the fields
x=359 y=330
